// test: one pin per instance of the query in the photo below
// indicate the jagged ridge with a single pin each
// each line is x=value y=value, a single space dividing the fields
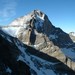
x=19 y=59
x=37 y=31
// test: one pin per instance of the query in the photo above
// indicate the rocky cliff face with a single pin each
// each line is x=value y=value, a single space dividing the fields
x=17 y=58
x=37 y=31
x=9 y=53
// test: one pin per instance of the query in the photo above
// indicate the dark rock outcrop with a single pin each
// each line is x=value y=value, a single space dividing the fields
x=11 y=65
x=9 y=53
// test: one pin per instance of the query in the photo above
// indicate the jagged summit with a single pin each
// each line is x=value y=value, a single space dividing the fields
x=38 y=13
x=36 y=18
x=24 y=20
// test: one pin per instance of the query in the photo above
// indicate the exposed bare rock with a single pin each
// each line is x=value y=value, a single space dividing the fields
x=17 y=58
x=37 y=31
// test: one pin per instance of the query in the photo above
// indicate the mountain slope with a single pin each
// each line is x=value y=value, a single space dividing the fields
x=37 y=31
x=19 y=59
x=72 y=35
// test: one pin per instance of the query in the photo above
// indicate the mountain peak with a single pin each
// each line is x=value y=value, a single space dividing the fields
x=36 y=30
x=36 y=14
x=36 y=20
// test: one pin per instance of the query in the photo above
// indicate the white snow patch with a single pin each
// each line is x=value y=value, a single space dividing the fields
x=53 y=36
x=9 y=39
x=2 y=35
x=25 y=43
x=69 y=52
x=73 y=33
x=36 y=33
x=37 y=45
x=8 y=70
x=18 y=22
x=41 y=17
x=40 y=71
x=27 y=59
x=11 y=30
x=39 y=22
x=68 y=44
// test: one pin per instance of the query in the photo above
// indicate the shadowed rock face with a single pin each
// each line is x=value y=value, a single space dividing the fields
x=9 y=53
x=11 y=64
x=37 y=31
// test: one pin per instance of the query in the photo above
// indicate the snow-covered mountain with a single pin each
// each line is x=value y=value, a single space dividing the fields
x=17 y=58
x=37 y=31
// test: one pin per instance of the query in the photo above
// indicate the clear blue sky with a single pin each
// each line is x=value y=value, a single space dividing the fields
x=60 y=12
